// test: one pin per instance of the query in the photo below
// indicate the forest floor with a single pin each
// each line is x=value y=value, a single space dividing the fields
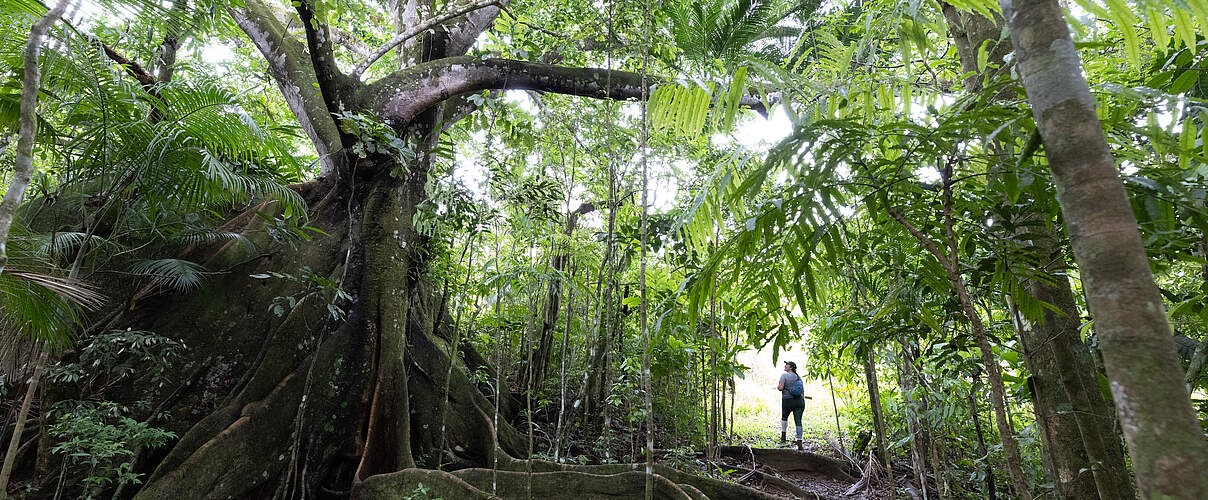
x=817 y=484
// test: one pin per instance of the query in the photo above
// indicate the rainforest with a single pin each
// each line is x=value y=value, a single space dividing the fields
x=672 y=249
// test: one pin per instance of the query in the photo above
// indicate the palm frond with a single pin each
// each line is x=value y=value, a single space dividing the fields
x=41 y=308
x=176 y=274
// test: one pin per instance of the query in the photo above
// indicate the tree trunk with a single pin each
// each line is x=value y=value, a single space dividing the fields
x=27 y=120
x=1065 y=455
x=10 y=456
x=713 y=395
x=878 y=418
x=830 y=384
x=1167 y=447
x=981 y=440
x=917 y=439
x=1064 y=366
x=549 y=316
x=998 y=393
x=971 y=31
x=1196 y=367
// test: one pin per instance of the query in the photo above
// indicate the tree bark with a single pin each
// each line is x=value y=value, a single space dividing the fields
x=919 y=438
x=1166 y=443
x=553 y=298
x=878 y=418
x=1196 y=366
x=970 y=32
x=981 y=440
x=1065 y=455
x=11 y=455
x=1064 y=368
x=27 y=120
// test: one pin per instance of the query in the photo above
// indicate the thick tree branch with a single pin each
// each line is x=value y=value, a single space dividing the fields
x=164 y=64
x=132 y=68
x=145 y=79
x=402 y=96
x=463 y=36
x=334 y=85
x=291 y=68
x=417 y=30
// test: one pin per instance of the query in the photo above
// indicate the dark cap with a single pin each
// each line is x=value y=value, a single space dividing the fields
x=791 y=365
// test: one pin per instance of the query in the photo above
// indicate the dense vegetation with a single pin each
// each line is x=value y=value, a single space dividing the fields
x=422 y=249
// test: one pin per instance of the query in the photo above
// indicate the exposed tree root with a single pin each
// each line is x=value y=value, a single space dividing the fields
x=610 y=482
x=402 y=485
x=792 y=461
x=775 y=480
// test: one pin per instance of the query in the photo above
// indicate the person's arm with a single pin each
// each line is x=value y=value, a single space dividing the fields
x=780 y=384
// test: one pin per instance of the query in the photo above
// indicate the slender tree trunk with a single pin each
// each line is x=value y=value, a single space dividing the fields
x=906 y=383
x=570 y=312
x=1166 y=443
x=453 y=346
x=27 y=120
x=713 y=410
x=878 y=418
x=830 y=384
x=11 y=455
x=941 y=477
x=981 y=440
x=549 y=316
x=951 y=265
x=23 y=170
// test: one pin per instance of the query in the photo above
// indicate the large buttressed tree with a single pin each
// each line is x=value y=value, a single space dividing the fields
x=342 y=393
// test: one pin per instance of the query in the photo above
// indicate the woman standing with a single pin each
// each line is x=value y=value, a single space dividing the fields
x=792 y=400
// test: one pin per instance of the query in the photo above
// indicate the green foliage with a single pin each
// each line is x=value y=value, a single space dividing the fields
x=313 y=283
x=110 y=357
x=99 y=442
x=746 y=248
x=376 y=138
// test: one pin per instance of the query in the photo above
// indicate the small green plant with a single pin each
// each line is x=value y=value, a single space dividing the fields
x=377 y=138
x=100 y=442
x=421 y=492
x=330 y=288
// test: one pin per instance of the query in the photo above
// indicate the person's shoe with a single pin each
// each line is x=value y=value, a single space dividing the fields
x=798 y=444
x=782 y=439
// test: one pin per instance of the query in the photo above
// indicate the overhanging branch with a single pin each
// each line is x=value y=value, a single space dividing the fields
x=402 y=96
x=333 y=84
